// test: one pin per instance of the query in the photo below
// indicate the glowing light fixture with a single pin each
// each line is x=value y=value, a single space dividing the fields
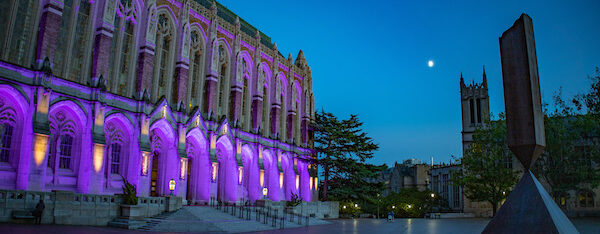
x=98 y=156
x=215 y=167
x=311 y=183
x=430 y=63
x=262 y=178
x=265 y=191
x=183 y=168
x=432 y=195
x=281 y=180
x=145 y=162
x=41 y=146
x=409 y=206
x=297 y=182
x=393 y=207
x=172 y=186
x=240 y=174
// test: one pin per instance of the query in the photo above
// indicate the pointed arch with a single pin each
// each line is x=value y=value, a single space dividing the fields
x=198 y=188
x=165 y=54
x=196 y=78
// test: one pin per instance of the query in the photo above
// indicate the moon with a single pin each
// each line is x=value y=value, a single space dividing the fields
x=430 y=63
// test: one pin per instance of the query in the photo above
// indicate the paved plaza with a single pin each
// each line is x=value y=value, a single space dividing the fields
x=370 y=226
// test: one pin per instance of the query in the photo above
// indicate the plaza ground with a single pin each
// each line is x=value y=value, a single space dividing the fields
x=370 y=226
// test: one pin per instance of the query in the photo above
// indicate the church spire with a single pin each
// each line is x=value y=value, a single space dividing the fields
x=462 y=80
x=484 y=83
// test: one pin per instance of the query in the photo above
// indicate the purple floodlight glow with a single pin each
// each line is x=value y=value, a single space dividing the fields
x=225 y=32
x=284 y=67
x=267 y=57
x=200 y=17
x=250 y=47
x=175 y=3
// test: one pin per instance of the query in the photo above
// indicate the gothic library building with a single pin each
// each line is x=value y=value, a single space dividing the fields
x=154 y=91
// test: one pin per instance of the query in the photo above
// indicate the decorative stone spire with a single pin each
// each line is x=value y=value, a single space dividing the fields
x=237 y=23
x=484 y=83
x=290 y=59
x=300 y=60
x=275 y=47
x=462 y=80
x=213 y=8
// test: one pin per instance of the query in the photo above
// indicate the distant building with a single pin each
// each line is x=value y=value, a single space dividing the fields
x=411 y=173
x=441 y=184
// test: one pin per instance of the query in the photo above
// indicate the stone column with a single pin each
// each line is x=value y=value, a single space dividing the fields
x=211 y=93
x=257 y=105
x=147 y=39
x=290 y=125
x=48 y=33
x=181 y=79
x=235 y=104
x=103 y=39
x=275 y=111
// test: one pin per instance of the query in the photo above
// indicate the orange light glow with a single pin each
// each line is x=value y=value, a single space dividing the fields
x=215 y=167
x=262 y=178
x=297 y=182
x=280 y=180
x=41 y=145
x=98 y=157
x=240 y=174
x=145 y=162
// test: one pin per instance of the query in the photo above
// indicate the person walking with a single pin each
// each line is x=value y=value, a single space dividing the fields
x=38 y=211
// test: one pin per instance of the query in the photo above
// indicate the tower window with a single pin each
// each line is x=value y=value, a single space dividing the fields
x=478 y=110
x=472 y=112
x=115 y=158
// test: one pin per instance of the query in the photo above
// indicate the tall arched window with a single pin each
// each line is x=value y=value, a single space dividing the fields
x=195 y=76
x=115 y=158
x=162 y=77
x=63 y=39
x=19 y=22
x=79 y=51
x=245 y=94
x=6 y=134
x=223 y=79
x=282 y=117
x=66 y=146
x=265 y=111
x=123 y=49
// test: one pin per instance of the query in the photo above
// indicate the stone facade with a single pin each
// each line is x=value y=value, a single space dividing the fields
x=155 y=91
x=441 y=184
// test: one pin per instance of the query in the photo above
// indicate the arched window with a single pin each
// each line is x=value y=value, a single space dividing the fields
x=195 y=76
x=79 y=51
x=6 y=132
x=115 y=158
x=245 y=100
x=223 y=79
x=265 y=111
x=162 y=77
x=71 y=46
x=66 y=145
x=586 y=199
x=282 y=117
x=63 y=38
x=20 y=24
x=126 y=56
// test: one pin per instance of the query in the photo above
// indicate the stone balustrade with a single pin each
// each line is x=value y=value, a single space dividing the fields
x=65 y=207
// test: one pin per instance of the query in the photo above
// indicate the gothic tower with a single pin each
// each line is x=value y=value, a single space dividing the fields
x=475 y=106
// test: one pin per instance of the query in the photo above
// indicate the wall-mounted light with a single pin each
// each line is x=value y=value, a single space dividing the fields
x=297 y=182
x=215 y=167
x=281 y=180
x=262 y=178
x=311 y=183
x=98 y=157
x=183 y=171
x=265 y=191
x=213 y=141
x=145 y=162
x=164 y=111
x=41 y=146
x=240 y=174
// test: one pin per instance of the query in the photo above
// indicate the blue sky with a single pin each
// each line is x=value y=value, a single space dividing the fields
x=370 y=58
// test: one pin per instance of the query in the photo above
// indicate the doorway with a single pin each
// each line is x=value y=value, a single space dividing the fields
x=154 y=175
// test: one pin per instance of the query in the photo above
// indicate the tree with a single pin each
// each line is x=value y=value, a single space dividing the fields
x=342 y=148
x=485 y=176
x=572 y=144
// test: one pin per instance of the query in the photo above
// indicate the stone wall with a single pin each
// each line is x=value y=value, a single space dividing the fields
x=64 y=207
x=316 y=209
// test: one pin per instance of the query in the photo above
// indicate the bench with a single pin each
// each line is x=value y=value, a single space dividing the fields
x=22 y=214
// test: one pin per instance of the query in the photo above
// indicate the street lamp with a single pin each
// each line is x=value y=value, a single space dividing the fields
x=432 y=195
x=393 y=207
x=409 y=206
x=355 y=205
x=172 y=186
x=265 y=191
x=343 y=207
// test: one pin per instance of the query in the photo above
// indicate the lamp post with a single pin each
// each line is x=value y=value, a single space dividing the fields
x=265 y=191
x=172 y=186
